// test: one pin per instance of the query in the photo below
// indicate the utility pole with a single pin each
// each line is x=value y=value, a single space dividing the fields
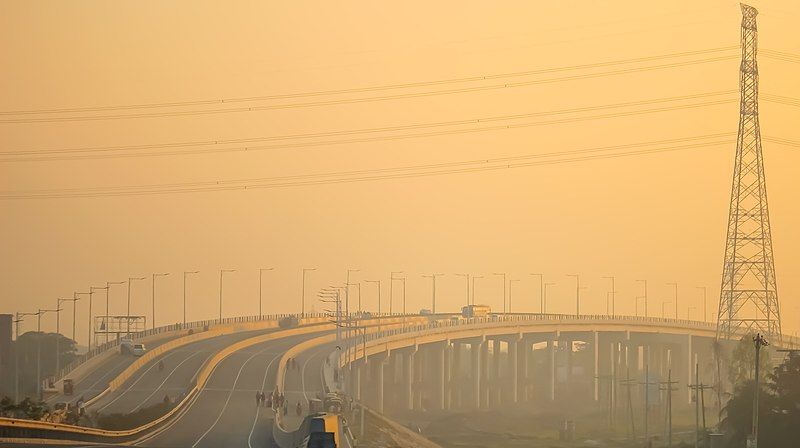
x=700 y=403
x=629 y=383
x=613 y=292
x=39 y=352
x=260 y=298
x=185 y=273
x=75 y=299
x=153 y=310
x=92 y=289
x=433 y=295
x=58 y=333
x=541 y=292
x=667 y=385
x=503 y=274
x=759 y=342
x=544 y=301
x=647 y=383
x=19 y=318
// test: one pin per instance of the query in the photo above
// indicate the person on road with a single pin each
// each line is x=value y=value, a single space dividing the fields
x=285 y=408
x=161 y=365
x=299 y=409
x=258 y=398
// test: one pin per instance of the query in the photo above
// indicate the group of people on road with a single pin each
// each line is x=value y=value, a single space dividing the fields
x=291 y=364
x=278 y=402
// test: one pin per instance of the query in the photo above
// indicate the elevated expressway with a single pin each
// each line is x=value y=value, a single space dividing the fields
x=437 y=362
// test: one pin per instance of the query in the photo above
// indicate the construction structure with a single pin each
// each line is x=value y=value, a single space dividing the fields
x=110 y=328
x=749 y=295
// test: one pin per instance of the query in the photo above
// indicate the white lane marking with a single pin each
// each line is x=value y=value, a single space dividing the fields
x=135 y=382
x=228 y=400
x=91 y=387
x=258 y=411
x=163 y=382
x=303 y=375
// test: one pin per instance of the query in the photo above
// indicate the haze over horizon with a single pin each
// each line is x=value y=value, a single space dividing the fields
x=659 y=216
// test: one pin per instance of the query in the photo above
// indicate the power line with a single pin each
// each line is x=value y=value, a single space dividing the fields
x=460 y=167
x=113 y=151
x=429 y=93
x=375 y=88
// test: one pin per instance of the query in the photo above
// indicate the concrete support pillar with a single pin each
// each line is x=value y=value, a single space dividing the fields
x=523 y=363
x=457 y=376
x=356 y=376
x=689 y=357
x=596 y=364
x=551 y=369
x=408 y=380
x=513 y=370
x=379 y=369
x=419 y=377
x=475 y=355
x=496 y=389
x=440 y=376
x=484 y=383
x=447 y=376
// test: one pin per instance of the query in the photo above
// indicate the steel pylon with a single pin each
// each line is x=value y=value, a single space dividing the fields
x=749 y=295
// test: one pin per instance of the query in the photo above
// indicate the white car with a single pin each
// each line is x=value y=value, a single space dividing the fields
x=138 y=350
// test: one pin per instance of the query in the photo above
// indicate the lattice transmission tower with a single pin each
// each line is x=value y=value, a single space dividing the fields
x=749 y=295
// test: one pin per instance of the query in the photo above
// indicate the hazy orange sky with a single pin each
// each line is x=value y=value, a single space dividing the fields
x=657 y=216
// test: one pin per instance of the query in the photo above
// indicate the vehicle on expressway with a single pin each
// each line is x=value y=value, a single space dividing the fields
x=471 y=311
x=323 y=429
x=127 y=346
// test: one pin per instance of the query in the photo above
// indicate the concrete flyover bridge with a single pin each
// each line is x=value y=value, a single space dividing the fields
x=479 y=363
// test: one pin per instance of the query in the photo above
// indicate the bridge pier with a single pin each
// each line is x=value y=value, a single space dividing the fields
x=475 y=358
x=408 y=379
x=551 y=369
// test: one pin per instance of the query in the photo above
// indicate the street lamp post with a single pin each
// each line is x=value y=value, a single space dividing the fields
x=185 y=273
x=128 y=313
x=473 y=287
x=221 y=272
x=511 y=292
x=541 y=292
x=705 y=310
x=108 y=291
x=644 y=283
x=377 y=283
x=663 y=304
x=466 y=280
x=39 y=351
x=391 y=290
x=577 y=293
x=689 y=312
x=58 y=333
x=675 y=284
x=75 y=299
x=433 y=295
x=303 y=292
x=613 y=292
x=260 y=299
x=503 y=274
x=20 y=317
x=153 y=325
x=544 y=300
x=92 y=289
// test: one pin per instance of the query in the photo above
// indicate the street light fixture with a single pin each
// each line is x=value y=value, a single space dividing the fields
x=613 y=293
x=433 y=295
x=153 y=325
x=544 y=302
x=92 y=289
x=511 y=292
x=108 y=291
x=20 y=317
x=75 y=299
x=128 y=315
x=577 y=293
x=185 y=273
x=663 y=304
x=675 y=284
x=58 y=332
x=391 y=290
x=541 y=292
x=39 y=351
x=221 y=272
x=503 y=274
x=689 y=312
x=378 y=285
x=473 y=287
x=303 y=292
x=260 y=299
x=644 y=283
x=466 y=278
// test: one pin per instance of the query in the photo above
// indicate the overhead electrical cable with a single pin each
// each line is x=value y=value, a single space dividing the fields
x=137 y=150
x=343 y=101
x=375 y=88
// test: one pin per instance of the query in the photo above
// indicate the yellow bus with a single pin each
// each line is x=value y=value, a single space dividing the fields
x=323 y=430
